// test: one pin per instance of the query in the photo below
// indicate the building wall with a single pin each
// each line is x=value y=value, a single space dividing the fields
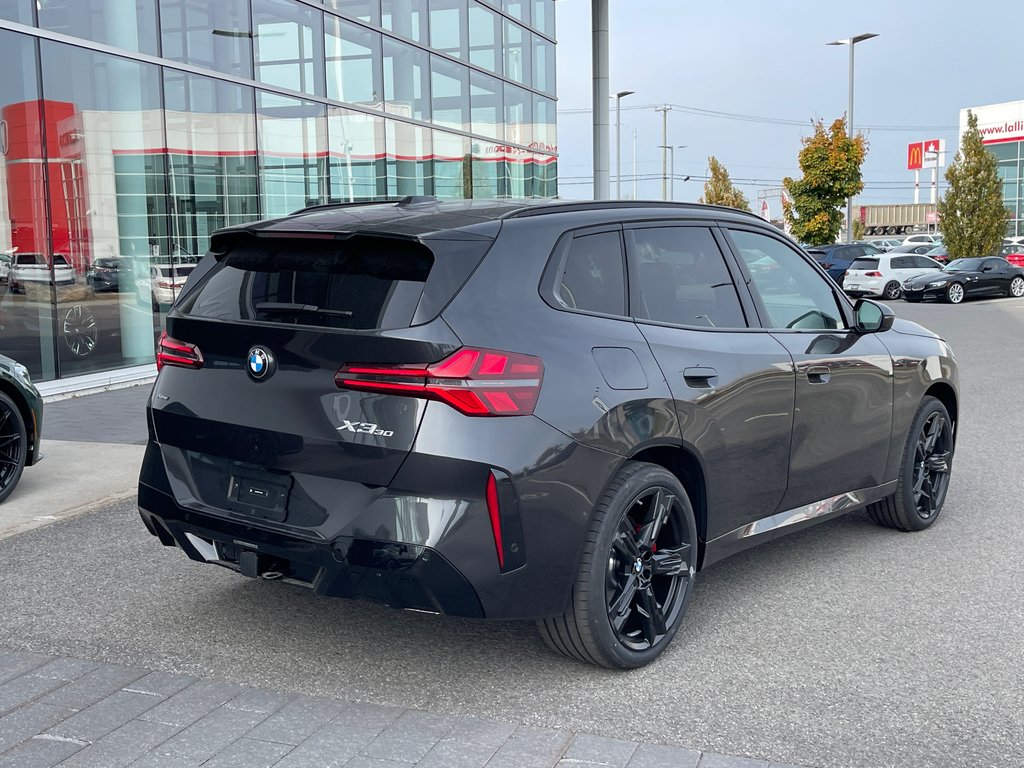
x=1002 y=133
x=133 y=129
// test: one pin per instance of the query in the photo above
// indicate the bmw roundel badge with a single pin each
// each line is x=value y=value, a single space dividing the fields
x=260 y=364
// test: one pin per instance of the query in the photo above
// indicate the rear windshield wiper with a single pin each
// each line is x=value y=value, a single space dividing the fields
x=286 y=308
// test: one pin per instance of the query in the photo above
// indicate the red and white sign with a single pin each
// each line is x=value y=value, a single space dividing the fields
x=997 y=123
x=765 y=211
x=915 y=156
x=926 y=154
x=931 y=217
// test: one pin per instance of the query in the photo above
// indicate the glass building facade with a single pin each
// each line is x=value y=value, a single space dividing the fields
x=132 y=129
x=1010 y=167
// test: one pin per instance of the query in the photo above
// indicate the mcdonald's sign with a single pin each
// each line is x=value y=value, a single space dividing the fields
x=915 y=156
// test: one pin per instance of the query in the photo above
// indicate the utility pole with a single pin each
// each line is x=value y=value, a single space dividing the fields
x=664 y=151
x=634 y=163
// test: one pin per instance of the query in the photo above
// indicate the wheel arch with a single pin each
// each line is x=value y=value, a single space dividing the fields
x=688 y=469
x=26 y=416
x=946 y=395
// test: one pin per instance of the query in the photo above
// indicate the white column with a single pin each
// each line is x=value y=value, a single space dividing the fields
x=599 y=24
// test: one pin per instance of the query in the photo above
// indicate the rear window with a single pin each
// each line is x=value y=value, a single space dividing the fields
x=372 y=284
x=864 y=263
x=26 y=259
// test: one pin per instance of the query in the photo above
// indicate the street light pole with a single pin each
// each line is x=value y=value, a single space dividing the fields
x=618 y=142
x=852 y=41
x=672 y=154
x=664 y=155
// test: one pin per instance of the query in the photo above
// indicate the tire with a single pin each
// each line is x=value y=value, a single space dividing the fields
x=954 y=293
x=927 y=463
x=1016 y=289
x=618 y=572
x=892 y=291
x=13 y=445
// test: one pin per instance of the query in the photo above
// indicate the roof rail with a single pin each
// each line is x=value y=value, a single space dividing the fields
x=597 y=205
x=353 y=204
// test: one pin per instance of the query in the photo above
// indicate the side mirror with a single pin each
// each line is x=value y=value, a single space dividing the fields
x=872 y=317
x=986 y=269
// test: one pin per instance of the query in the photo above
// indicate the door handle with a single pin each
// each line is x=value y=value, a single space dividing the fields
x=700 y=377
x=819 y=374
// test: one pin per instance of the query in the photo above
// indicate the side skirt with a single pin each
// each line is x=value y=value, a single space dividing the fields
x=781 y=523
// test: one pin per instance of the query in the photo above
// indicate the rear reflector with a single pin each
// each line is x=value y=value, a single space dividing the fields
x=476 y=382
x=494 y=511
x=170 y=351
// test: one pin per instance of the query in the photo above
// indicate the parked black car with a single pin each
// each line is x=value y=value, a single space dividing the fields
x=836 y=259
x=108 y=274
x=558 y=411
x=21 y=423
x=968 y=278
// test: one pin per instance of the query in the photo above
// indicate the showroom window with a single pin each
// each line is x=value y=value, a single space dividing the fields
x=407 y=18
x=128 y=24
x=216 y=35
x=410 y=159
x=485 y=38
x=289 y=45
x=406 y=80
x=102 y=105
x=211 y=140
x=354 y=71
x=448 y=27
x=293 y=153
x=358 y=168
x=487 y=103
x=449 y=91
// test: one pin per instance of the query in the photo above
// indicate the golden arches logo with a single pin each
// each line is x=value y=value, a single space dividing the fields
x=915 y=156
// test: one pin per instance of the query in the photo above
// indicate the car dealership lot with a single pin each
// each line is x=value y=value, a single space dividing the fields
x=846 y=644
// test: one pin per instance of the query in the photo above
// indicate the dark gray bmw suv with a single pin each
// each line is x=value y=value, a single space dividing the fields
x=509 y=409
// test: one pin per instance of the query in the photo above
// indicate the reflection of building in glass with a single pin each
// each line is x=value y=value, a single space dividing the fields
x=170 y=119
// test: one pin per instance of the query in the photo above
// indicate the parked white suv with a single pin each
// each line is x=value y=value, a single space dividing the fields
x=164 y=283
x=35 y=268
x=883 y=275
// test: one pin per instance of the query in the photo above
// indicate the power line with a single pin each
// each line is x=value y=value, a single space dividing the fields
x=763 y=119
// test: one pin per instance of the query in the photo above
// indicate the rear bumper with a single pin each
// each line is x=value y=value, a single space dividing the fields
x=400 y=575
x=424 y=541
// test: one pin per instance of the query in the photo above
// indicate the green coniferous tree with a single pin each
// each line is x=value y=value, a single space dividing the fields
x=971 y=213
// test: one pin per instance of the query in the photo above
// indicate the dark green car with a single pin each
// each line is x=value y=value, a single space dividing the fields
x=21 y=423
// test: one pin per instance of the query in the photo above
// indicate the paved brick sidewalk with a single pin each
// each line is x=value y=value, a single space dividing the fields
x=82 y=714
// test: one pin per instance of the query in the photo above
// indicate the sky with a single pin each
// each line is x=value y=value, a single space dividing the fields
x=770 y=60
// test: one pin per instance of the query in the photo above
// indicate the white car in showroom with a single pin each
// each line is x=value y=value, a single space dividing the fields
x=164 y=283
x=883 y=274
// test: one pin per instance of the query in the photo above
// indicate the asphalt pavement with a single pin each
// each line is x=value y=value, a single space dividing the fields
x=841 y=645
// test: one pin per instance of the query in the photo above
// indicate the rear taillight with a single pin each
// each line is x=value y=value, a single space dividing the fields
x=170 y=351
x=476 y=382
x=164 y=284
x=872 y=274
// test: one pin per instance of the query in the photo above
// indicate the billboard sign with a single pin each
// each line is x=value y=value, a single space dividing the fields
x=997 y=123
x=926 y=154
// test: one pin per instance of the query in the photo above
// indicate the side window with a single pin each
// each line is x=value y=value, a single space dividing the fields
x=870 y=250
x=682 y=278
x=593 y=276
x=925 y=262
x=994 y=265
x=794 y=294
x=901 y=262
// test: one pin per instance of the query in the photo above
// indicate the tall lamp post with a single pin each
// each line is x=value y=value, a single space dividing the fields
x=618 y=141
x=851 y=41
x=672 y=164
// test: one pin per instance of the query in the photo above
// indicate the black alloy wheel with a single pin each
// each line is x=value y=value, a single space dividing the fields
x=79 y=330
x=892 y=290
x=924 y=474
x=636 y=573
x=648 y=569
x=13 y=445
